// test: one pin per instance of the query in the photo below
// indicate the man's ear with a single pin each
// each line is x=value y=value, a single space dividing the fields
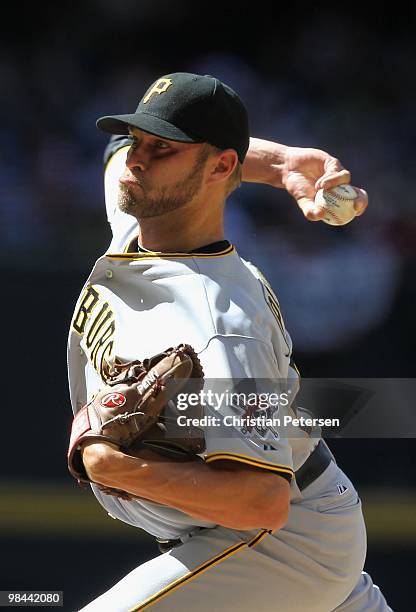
x=222 y=166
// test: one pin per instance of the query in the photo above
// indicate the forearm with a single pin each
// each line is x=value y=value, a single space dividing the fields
x=218 y=496
x=264 y=162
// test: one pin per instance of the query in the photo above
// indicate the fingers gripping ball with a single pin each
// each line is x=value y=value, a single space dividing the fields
x=338 y=204
x=127 y=408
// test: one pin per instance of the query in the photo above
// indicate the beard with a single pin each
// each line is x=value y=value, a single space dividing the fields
x=163 y=199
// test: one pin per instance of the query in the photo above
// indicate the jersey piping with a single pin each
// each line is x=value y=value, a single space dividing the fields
x=228 y=552
x=273 y=467
x=136 y=256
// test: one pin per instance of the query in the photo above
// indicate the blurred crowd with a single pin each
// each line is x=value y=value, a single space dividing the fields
x=328 y=83
x=310 y=76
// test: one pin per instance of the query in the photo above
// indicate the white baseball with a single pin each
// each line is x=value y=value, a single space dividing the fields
x=338 y=204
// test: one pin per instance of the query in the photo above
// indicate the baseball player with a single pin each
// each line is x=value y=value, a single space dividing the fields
x=266 y=521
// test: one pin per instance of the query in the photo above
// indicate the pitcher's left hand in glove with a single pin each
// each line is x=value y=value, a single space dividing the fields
x=131 y=411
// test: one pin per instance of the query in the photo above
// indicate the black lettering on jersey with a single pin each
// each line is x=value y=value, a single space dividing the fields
x=274 y=307
x=273 y=303
x=97 y=323
x=87 y=305
x=102 y=340
x=94 y=319
x=105 y=359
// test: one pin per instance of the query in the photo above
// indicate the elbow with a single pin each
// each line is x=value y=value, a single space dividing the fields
x=96 y=458
x=270 y=508
x=278 y=514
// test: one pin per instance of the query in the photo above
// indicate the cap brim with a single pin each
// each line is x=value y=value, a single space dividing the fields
x=119 y=124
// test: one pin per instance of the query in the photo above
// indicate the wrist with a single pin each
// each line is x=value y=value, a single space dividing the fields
x=266 y=162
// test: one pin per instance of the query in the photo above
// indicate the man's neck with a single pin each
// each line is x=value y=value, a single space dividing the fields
x=176 y=244
x=211 y=248
x=180 y=232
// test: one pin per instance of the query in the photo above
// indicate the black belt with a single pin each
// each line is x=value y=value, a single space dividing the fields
x=314 y=466
x=166 y=545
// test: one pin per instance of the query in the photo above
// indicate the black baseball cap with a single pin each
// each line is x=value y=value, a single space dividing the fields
x=188 y=108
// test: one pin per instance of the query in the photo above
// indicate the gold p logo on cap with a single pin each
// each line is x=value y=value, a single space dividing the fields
x=158 y=88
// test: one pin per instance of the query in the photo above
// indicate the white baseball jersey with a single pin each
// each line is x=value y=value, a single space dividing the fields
x=136 y=304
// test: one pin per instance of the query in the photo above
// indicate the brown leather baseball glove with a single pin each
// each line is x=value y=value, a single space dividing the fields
x=136 y=409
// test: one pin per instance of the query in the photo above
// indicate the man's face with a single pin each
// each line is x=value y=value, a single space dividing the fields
x=161 y=175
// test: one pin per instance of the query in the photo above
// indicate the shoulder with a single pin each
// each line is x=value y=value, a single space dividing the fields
x=115 y=143
x=123 y=226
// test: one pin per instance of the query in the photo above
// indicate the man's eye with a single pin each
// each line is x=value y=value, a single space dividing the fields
x=161 y=145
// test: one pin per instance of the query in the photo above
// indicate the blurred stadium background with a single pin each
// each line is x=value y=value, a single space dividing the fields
x=319 y=76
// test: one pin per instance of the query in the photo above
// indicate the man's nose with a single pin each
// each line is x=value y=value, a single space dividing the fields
x=137 y=158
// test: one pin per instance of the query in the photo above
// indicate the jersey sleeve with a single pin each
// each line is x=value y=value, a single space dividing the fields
x=115 y=143
x=123 y=226
x=243 y=424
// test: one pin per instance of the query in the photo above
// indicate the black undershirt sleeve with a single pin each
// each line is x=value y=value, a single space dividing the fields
x=115 y=143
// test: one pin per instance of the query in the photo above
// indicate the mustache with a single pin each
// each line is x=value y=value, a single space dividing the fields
x=133 y=174
x=134 y=178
